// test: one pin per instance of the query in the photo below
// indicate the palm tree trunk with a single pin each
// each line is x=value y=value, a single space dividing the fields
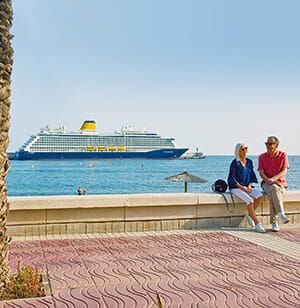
x=6 y=61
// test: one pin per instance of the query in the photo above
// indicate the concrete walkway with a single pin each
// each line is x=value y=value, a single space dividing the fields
x=222 y=268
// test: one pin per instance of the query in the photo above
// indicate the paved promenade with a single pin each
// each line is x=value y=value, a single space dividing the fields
x=222 y=268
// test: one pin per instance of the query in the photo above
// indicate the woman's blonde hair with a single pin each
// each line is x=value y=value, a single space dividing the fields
x=237 y=150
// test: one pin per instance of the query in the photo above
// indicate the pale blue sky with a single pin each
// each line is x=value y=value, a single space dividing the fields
x=209 y=73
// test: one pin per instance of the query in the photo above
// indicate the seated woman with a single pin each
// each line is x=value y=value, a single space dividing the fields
x=241 y=176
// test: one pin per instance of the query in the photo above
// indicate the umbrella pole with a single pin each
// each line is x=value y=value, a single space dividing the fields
x=185 y=186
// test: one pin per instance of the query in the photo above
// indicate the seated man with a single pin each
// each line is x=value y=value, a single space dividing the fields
x=272 y=167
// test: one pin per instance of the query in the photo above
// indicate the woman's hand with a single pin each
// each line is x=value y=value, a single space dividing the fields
x=244 y=188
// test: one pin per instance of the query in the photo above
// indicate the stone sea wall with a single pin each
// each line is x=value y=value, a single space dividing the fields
x=50 y=215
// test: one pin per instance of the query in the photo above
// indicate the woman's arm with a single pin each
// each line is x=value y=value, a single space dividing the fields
x=252 y=175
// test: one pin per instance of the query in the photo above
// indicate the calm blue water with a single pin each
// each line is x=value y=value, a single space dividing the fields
x=34 y=178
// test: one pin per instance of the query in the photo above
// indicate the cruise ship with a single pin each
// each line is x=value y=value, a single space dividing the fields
x=87 y=143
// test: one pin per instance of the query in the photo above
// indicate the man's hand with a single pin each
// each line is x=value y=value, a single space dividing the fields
x=270 y=181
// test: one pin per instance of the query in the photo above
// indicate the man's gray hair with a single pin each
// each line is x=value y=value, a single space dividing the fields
x=272 y=139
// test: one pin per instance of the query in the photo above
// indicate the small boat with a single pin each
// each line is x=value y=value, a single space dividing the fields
x=193 y=155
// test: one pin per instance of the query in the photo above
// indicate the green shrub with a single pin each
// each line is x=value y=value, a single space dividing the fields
x=26 y=283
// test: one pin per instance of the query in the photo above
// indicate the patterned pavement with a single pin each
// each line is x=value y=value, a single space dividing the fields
x=292 y=235
x=228 y=268
x=281 y=243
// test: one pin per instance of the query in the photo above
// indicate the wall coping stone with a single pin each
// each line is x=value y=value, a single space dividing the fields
x=126 y=200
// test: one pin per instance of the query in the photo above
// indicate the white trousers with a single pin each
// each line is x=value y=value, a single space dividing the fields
x=248 y=198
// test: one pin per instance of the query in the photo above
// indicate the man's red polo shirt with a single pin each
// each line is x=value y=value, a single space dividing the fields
x=272 y=165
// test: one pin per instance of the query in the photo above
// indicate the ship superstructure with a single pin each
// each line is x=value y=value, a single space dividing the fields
x=87 y=143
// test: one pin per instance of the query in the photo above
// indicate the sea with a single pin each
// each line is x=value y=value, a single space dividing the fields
x=63 y=177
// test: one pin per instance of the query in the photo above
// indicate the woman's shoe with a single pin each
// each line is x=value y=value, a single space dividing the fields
x=275 y=226
x=259 y=228
x=250 y=221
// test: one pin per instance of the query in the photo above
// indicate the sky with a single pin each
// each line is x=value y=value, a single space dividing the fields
x=208 y=73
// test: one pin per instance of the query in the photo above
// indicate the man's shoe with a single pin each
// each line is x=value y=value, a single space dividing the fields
x=283 y=218
x=250 y=221
x=275 y=226
x=259 y=228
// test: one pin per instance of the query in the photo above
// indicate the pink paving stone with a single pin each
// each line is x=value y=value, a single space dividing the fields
x=92 y=253
x=80 y=297
x=55 y=243
x=193 y=270
x=69 y=276
x=94 y=242
x=28 y=253
x=45 y=302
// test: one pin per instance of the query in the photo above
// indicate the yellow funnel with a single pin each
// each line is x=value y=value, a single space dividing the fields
x=88 y=125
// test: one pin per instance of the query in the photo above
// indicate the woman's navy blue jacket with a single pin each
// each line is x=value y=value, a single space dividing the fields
x=240 y=174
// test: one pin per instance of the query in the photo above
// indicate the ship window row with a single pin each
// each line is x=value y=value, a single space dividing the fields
x=107 y=142
x=56 y=148
x=84 y=149
x=45 y=146
x=100 y=143
x=97 y=138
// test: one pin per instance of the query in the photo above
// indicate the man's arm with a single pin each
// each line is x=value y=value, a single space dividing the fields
x=274 y=178
x=281 y=174
x=264 y=177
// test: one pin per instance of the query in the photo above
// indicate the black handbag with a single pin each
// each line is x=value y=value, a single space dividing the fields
x=220 y=186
